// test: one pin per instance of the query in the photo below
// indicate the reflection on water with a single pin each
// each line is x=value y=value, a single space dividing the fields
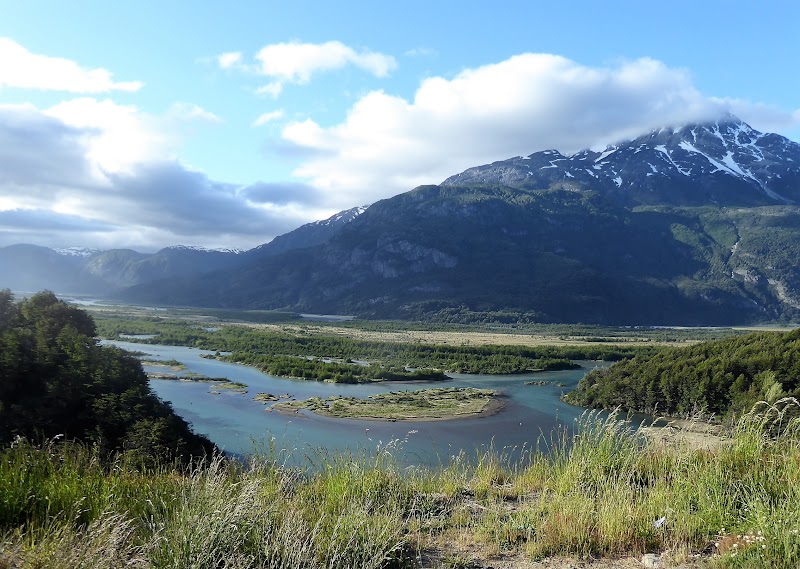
x=240 y=425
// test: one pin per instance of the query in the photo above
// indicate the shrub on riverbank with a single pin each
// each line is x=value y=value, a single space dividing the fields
x=604 y=492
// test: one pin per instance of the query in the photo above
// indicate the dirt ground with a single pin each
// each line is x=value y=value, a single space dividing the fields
x=464 y=559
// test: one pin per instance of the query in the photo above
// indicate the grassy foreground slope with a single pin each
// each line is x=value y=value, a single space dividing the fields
x=725 y=377
x=606 y=492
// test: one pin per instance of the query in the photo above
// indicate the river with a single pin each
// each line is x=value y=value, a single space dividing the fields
x=240 y=425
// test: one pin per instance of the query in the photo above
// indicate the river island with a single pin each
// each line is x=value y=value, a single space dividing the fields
x=436 y=404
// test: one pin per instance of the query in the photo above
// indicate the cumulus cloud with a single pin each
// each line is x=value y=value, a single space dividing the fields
x=117 y=136
x=39 y=151
x=19 y=68
x=56 y=188
x=297 y=62
x=530 y=102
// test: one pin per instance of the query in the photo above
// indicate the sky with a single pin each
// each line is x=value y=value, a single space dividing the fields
x=148 y=124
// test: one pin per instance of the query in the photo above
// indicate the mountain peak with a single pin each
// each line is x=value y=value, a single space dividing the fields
x=721 y=162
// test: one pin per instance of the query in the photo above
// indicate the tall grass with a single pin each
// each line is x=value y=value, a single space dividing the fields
x=604 y=491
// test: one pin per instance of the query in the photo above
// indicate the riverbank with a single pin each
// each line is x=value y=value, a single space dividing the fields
x=695 y=433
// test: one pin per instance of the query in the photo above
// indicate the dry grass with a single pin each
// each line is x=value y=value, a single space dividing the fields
x=604 y=493
x=455 y=338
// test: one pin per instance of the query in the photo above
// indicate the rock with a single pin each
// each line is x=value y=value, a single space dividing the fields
x=652 y=561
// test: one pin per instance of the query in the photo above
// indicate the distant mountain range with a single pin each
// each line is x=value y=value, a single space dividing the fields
x=79 y=270
x=695 y=225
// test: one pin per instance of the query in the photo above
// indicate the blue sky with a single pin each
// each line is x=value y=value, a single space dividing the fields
x=146 y=124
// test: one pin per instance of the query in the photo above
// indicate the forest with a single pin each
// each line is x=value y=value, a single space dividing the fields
x=57 y=381
x=724 y=378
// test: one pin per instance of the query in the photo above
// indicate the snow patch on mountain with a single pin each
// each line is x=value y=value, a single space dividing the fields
x=202 y=249
x=82 y=252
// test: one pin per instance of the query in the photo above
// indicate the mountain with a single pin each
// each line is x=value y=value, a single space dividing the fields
x=124 y=267
x=307 y=235
x=723 y=163
x=31 y=268
x=690 y=225
x=79 y=270
x=90 y=271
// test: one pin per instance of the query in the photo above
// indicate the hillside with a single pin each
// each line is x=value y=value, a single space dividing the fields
x=725 y=377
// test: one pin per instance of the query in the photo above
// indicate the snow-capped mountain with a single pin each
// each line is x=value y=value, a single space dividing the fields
x=637 y=233
x=198 y=249
x=724 y=162
x=308 y=235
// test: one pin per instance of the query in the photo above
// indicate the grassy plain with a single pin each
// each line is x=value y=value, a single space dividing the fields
x=399 y=331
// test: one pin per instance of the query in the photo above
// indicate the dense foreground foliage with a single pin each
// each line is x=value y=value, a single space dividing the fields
x=723 y=378
x=55 y=380
x=603 y=492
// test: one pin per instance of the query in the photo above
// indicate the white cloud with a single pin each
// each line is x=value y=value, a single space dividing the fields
x=530 y=102
x=229 y=59
x=118 y=137
x=191 y=112
x=19 y=68
x=763 y=117
x=274 y=89
x=268 y=117
x=91 y=172
x=296 y=62
x=421 y=52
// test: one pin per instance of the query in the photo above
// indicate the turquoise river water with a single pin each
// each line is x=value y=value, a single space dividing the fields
x=240 y=425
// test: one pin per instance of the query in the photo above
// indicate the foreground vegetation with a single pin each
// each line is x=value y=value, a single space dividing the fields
x=604 y=492
x=723 y=378
x=55 y=380
x=440 y=403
